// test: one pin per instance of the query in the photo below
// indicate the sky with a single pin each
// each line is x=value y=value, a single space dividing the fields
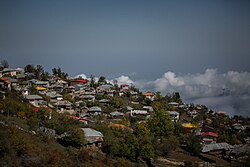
x=138 y=39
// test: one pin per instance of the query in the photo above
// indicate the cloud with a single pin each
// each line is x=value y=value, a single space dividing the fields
x=83 y=76
x=124 y=80
x=229 y=91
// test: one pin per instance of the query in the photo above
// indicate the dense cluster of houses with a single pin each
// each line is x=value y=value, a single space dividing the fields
x=52 y=93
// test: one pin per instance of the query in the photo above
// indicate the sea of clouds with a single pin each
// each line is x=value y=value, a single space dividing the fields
x=228 y=91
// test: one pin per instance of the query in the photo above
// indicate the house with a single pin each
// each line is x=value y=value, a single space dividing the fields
x=56 y=87
x=70 y=89
x=217 y=148
x=116 y=115
x=192 y=113
x=175 y=116
x=149 y=95
x=189 y=125
x=93 y=137
x=209 y=137
x=81 y=119
x=138 y=112
x=79 y=82
x=129 y=108
x=35 y=82
x=40 y=88
x=148 y=108
x=206 y=128
x=9 y=72
x=104 y=88
x=238 y=127
x=95 y=110
x=134 y=94
x=90 y=98
x=36 y=100
x=124 y=86
x=173 y=104
x=104 y=101
x=54 y=95
x=5 y=83
x=78 y=87
x=241 y=151
x=13 y=82
x=63 y=105
x=62 y=83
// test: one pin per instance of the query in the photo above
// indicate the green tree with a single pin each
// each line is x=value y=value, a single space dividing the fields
x=158 y=96
x=68 y=97
x=75 y=137
x=145 y=147
x=160 y=124
x=39 y=71
x=102 y=79
x=159 y=105
x=177 y=98
x=29 y=68
x=194 y=145
x=58 y=72
x=117 y=102
x=166 y=145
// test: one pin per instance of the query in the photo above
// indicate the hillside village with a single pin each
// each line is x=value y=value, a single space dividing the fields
x=100 y=121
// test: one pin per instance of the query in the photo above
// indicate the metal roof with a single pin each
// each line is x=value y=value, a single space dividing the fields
x=29 y=97
x=95 y=108
x=89 y=132
x=216 y=146
x=116 y=113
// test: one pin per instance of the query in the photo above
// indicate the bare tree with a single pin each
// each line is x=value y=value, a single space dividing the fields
x=5 y=63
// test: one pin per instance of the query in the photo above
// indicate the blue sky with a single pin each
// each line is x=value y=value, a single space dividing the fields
x=146 y=38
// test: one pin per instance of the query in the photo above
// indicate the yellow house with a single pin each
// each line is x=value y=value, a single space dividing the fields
x=40 y=88
x=189 y=125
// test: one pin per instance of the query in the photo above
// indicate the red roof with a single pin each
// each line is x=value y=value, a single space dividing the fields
x=209 y=134
x=36 y=109
x=123 y=85
x=81 y=80
x=74 y=117
x=5 y=79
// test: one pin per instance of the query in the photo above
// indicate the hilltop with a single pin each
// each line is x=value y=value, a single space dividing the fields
x=53 y=120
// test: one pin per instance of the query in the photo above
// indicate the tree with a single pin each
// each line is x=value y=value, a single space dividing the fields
x=160 y=124
x=102 y=79
x=75 y=137
x=117 y=102
x=92 y=81
x=58 y=72
x=29 y=68
x=39 y=71
x=68 y=97
x=177 y=98
x=166 y=146
x=145 y=148
x=194 y=145
x=5 y=63
x=158 y=96
x=44 y=76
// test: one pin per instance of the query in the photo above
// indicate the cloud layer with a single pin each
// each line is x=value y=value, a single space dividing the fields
x=228 y=91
